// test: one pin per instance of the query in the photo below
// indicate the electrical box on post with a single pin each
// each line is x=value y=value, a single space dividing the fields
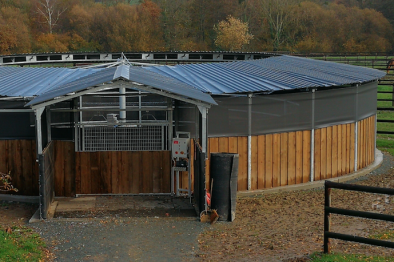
x=180 y=147
x=180 y=163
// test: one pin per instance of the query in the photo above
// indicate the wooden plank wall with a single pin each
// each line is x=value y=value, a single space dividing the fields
x=284 y=159
x=122 y=172
x=19 y=158
x=47 y=180
x=64 y=168
x=115 y=172
x=366 y=142
x=277 y=159
x=334 y=151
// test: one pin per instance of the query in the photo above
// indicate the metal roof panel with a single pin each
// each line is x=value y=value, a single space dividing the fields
x=267 y=75
x=131 y=73
x=29 y=81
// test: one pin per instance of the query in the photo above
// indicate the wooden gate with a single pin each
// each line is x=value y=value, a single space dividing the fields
x=110 y=172
x=123 y=172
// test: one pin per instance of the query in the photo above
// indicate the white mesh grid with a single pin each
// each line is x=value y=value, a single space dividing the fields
x=123 y=138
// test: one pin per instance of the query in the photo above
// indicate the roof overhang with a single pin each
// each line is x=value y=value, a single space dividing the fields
x=121 y=83
x=124 y=76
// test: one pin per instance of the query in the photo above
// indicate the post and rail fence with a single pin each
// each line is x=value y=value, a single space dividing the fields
x=328 y=210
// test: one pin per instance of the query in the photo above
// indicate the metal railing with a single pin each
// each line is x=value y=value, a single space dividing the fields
x=328 y=210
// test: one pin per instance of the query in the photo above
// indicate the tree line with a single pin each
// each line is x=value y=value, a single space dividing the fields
x=202 y=25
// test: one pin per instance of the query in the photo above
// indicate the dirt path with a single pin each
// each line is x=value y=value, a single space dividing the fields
x=289 y=225
x=15 y=214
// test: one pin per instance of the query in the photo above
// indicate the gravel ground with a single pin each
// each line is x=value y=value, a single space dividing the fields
x=288 y=226
x=386 y=167
x=122 y=239
x=277 y=227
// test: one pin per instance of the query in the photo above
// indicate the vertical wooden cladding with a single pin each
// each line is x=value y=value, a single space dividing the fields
x=123 y=172
x=335 y=148
x=47 y=177
x=366 y=142
x=231 y=145
x=334 y=151
x=284 y=159
x=276 y=159
x=19 y=158
x=64 y=168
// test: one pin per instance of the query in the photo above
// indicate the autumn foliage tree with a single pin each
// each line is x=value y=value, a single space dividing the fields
x=156 y=25
x=14 y=31
x=232 y=34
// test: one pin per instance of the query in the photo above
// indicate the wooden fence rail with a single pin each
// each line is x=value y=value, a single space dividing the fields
x=328 y=210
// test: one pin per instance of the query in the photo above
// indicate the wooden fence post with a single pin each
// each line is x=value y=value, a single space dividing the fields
x=327 y=219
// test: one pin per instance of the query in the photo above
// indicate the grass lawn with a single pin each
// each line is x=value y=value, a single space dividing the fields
x=385 y=142
x=21 y=245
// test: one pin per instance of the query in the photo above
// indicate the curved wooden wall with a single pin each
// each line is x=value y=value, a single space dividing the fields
x=277 y=159
x=284 y=158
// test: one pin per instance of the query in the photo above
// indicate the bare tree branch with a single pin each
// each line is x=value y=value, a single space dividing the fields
x=50 y=11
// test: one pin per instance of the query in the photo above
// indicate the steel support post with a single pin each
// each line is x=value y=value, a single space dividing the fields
x=38 y=113
x=170 y=122
x=204 y=128
x=249 y=141
x=49 y=130
x=122 y=104
x=312 y=174
x=356 y=135
x=76 y=117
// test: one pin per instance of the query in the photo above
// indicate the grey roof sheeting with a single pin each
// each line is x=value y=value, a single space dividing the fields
x=33 y=81
x=130 y=73
x=193 y=80
x=267 y=75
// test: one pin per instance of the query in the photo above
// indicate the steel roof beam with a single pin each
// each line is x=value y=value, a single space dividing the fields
x=132 y=85
x=137 y=58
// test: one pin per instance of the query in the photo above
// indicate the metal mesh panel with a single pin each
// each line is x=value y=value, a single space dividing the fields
x=291 y=112
x=109 y=138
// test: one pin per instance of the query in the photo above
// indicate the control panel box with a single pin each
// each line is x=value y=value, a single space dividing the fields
x=180 y=147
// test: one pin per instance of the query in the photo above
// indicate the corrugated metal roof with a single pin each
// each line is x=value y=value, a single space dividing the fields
x=131 y=73
x=267 y=75
x=33 y=81
x=104 y=76
x=192 y=80
x=140 y=75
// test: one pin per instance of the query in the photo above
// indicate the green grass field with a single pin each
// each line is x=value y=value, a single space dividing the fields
x=20 y=245
x=385 y=142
